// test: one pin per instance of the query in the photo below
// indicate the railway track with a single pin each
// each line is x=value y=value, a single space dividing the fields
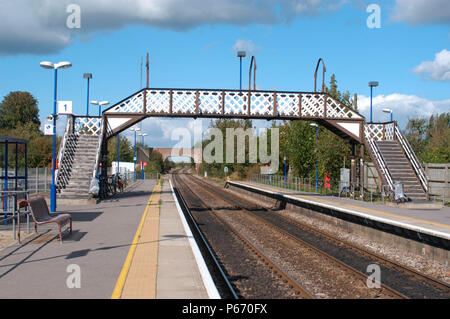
x=409 y=282
x=355 y=280
x=272 y=269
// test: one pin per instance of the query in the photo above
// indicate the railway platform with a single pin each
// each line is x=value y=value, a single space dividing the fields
x=435 y=221
x=133 y=246
x=424 y=232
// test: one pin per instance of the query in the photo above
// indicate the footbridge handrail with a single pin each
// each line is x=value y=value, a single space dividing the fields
x=235 y=103
x=377 y=132
x=417 y=166
x=62 y=148
x=381 y=163
x=99 y=149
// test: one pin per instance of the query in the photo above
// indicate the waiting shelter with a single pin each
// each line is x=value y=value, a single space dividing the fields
x=13 y=176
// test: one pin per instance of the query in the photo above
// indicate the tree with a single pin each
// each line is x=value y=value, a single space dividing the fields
x=299 y=140
x=156 y=164
x=39 y=150
x=430 y=138
x=217 y=169
x=126 y=152
x=17 y=109
x=299 y=143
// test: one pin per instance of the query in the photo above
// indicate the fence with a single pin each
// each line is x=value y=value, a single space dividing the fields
x=438 y=180
x=10 y=215
x=39 y=180
x=373 y=192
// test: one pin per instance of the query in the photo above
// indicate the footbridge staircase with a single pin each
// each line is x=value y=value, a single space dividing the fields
x=395 y=160
x=83 y=150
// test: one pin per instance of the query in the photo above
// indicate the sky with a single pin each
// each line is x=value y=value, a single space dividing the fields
x=402 y=44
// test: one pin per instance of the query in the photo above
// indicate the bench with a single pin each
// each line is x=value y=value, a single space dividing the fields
x=41 y=214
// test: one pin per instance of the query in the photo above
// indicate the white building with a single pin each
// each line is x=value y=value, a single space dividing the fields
x=124 y=167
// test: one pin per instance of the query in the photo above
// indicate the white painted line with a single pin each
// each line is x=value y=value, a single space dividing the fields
x=360 y=214
x=204 y=272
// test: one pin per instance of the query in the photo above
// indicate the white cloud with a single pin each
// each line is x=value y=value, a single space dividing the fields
x=404 y=107
x=160 y=131
x=422 y=11
x=438 y=70
x=246 y=45
x=39 y=26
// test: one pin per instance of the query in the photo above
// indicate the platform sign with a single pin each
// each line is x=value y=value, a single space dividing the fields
x=65 y=107
x=344 y=184
x=48 y=130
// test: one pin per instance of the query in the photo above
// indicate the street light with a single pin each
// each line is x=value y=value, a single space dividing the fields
x=87 y=76
x=53 y=66
x=100 y=105
x=285 y=165
x=135 y=130
x=372 y=84
x=142 y=135
x=240 y=54
x=391 y=112
x=317 y=159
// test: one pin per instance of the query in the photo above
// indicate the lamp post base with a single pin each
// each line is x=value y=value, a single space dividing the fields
x=53 y=198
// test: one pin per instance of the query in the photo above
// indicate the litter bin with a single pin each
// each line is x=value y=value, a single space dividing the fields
x=399 y=195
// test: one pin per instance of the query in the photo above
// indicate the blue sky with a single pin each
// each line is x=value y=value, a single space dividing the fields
x=192 y=46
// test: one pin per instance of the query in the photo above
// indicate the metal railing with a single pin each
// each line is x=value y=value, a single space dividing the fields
x=65 y=165
x=63 y=146
x=420 y=172
x=381 y=163
x=372 y=192
x=11 y=213
x=99 y=149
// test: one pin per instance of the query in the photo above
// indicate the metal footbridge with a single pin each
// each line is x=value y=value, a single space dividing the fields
x=320 y=107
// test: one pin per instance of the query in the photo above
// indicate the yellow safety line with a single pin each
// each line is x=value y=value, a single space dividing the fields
x=126 y=266
x=357 y=207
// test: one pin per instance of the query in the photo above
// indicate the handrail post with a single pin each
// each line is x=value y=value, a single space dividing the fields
x=315 y=75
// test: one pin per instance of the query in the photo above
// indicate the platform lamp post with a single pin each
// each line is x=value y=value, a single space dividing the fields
x=87 y=76
x=100 y=104
x=372 y=84
x=240 y=54
x=285 y=165
x=135 y=130
x=142 y=135
x=54 y=66
x=317 y=155
x=391 y=112
x=118 y=155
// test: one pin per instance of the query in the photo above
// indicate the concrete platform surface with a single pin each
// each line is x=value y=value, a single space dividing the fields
x=134 y=246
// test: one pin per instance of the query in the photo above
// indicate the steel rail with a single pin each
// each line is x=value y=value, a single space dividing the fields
x=405 y=269
x=343 y=265
x=390 y=263
x=292 y=283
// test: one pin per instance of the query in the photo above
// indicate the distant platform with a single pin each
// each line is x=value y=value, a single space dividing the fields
x=422 y=230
